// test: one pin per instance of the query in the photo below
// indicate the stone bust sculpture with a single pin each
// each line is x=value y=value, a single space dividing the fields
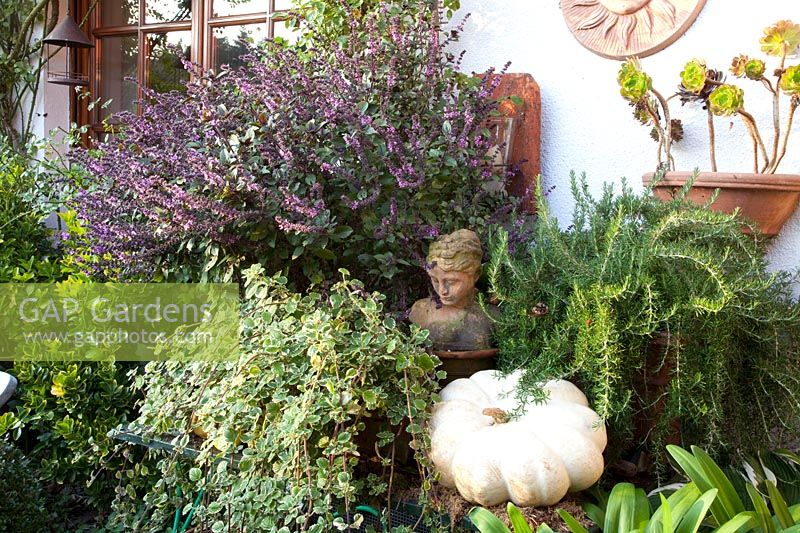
x=456 y=322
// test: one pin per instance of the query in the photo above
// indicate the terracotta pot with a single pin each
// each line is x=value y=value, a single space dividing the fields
x=768 y=200
x=651 y=386
x=464 y=364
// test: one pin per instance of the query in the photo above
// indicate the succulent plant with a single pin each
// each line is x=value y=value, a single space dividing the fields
x=633 y=82
x=781 y=39
x=713 y=79
x=744 y=67
x=637 y=87
x=726 y=100
x=754 y=69
x=738 y=64
x=640 y=112
x=676 y=130
x=706 y=86
x=790 y=81
x=693 y=76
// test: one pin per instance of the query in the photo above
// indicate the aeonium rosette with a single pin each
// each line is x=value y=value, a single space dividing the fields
x=706 y=86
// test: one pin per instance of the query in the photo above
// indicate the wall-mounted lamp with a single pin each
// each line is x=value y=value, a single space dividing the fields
x=70 y=36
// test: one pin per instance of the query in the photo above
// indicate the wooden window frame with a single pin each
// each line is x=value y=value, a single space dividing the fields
x=201 y=25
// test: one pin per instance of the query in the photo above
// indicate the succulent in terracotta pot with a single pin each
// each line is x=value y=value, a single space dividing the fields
x=708 y=87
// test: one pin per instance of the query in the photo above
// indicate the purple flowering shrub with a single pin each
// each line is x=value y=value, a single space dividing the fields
x=350 y=155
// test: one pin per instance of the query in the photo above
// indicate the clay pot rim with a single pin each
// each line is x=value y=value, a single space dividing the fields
x=466 y=354
x=741 y=180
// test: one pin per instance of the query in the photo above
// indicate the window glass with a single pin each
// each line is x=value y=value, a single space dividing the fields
x=283 y=5
x=281 y=29
x=117 y=60
x=119 y=12
x=223 y=8
x=230 y=42
x=166 y=52
x=167 y=10
x=118 y=63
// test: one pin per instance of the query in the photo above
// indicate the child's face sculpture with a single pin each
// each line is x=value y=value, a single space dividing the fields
x=455 y=288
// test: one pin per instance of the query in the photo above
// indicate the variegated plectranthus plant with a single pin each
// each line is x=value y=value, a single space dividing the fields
x=288 y=443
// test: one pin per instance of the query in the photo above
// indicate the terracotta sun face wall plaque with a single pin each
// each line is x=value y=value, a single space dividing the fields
x=617 y=29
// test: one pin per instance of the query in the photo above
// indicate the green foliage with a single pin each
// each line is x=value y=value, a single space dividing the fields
x=316 y=371
x=649 y=107
x=754 y=70
x=628 y=509
x=25 y=252
x=63 y=412
x=766 y=513
x=687 y=509
x=332 y=19
x=22 y=505
x=486 y=522
x=630 y=269
x=782 y=467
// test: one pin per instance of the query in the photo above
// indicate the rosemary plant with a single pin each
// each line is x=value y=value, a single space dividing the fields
x=585 y=304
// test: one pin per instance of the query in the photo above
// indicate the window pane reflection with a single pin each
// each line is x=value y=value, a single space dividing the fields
x=119 y=62
x=166 y=52
x=230 y=42
x=283 y=5
x=167 y=10
x=282 y=30
x=119 y=12
x=224 y=8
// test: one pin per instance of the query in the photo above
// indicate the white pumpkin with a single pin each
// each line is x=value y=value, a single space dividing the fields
x=534 y=459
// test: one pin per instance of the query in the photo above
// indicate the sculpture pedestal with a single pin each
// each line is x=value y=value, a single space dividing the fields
x=464 y=364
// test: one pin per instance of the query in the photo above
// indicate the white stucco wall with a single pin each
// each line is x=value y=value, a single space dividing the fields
x=588 y=127
x=54 y=101
x=38 y=118
x=52 y=118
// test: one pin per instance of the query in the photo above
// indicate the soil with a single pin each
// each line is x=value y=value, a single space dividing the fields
x=69 y=505
x=452 y=504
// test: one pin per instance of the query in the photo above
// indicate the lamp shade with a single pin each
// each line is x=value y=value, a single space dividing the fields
x=69 y=34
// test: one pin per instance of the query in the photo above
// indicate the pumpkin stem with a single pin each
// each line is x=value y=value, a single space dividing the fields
x=499 y=416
